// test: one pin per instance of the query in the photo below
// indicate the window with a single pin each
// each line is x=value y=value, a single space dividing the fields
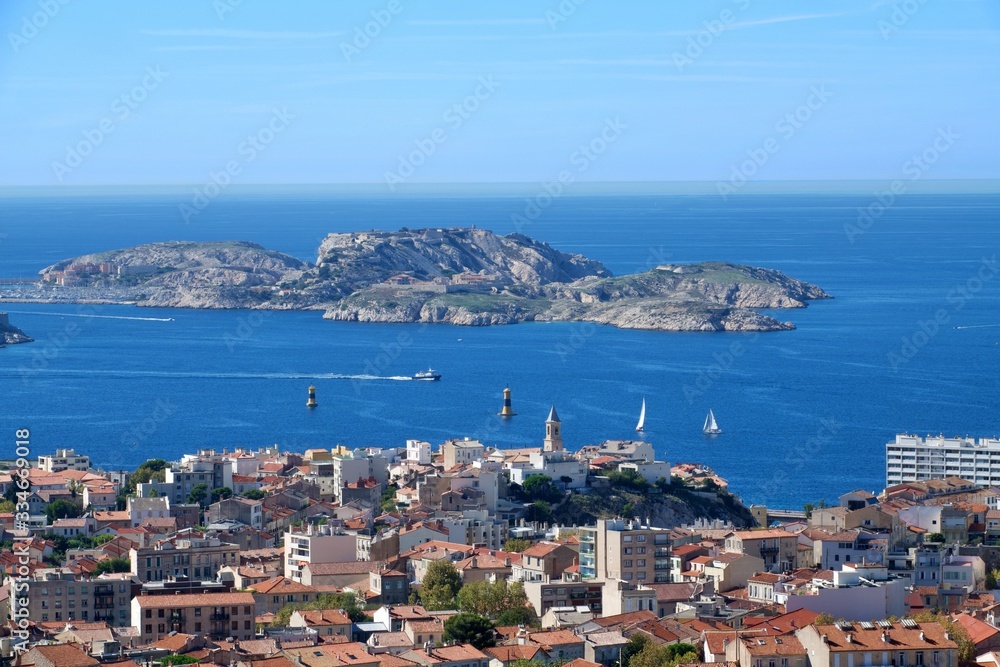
x=161 y=628
x=641 y=562
x=626 y=563
x=628 y=551
x=149 y=629
x=159 y=613
x=640 y=538
x=640 y=550
x=920 y=658
x=149 y=613
x=197 y=627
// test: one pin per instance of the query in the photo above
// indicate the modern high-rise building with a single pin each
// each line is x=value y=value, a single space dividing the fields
x=911 y=458
x=625 y=550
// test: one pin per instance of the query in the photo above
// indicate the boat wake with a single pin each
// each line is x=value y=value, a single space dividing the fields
x=979 y=326
x=99 y=317
x=221 y=376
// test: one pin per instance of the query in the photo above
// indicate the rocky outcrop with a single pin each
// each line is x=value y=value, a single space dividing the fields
x=360 y=259
x=469 y=277
x=11 y=335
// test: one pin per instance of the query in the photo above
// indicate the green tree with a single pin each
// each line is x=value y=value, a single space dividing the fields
x=491 y=599
x=934 y=537
x=254 y=494
x=540 y=487
x=825 y=619
x=111 y=565
x=7 y=506
x=517 y=545
x=635 y=645
x=540 y=511
x=388 y=503
x=199 y=493
x=221 y=493
x=664 y=656
x=152 y=470
x=808 y=509
x=466 y=628
x=347 y=602
x=440 y=586
x=525 y=616
x=991 y=579
x=61 y=509
x=178 y=659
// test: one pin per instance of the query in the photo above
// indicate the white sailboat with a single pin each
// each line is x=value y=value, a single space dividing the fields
x=711 y=426
x=642 y=417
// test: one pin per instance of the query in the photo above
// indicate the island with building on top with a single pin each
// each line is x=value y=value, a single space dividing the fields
x=461 y=276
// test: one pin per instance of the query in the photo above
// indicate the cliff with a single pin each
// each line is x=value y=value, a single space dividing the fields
x=9 y=334
x=460 y=276
x=666 y=505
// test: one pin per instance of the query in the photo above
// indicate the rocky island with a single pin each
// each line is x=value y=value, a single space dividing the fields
x=460 y=276
x=9 y=334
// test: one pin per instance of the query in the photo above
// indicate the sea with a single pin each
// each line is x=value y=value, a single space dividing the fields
x=909 y=343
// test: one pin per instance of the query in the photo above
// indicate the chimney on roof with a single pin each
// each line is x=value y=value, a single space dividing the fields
x=921 y=635
x=824 y=639
x=885 y=638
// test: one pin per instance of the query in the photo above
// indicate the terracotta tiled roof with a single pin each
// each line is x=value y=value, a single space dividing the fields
x=193 y=600
x=898 y=636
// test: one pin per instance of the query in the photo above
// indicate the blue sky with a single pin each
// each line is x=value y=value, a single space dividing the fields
x=169 y=92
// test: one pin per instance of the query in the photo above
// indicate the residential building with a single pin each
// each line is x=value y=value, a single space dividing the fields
x=317 y=544
x=777 y=548
x=326 y=622
x=271 y=595
x=457 y=655
x=244 y=510
x=900 y=643
x=195 y=558
x=546 y=595
x=58 y=595
x=626 y=550
x=763 y=650
x=461 y=452
x=64 y=459
x=543 y=561
x=857 y=593
x=911 y=458
x=217 y=615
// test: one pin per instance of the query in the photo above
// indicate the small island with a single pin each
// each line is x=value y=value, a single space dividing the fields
x=463 y=276
x=9 y=334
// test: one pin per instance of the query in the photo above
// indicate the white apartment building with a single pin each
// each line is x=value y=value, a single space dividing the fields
x=64 y=459
x=911 y=458
x=317 y=544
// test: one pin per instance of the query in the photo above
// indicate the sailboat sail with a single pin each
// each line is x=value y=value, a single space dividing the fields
x=711 y=426
x=642 y=417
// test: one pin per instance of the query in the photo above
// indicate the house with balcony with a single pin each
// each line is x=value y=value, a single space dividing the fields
x=882 y=643
x=216 y=615
x=777 y=548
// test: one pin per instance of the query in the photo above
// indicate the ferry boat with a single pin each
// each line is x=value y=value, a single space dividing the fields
x=430 y=374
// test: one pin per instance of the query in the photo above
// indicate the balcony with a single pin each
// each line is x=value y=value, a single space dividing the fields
x=219 y=616
x=764 y=549
x=662 y=552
